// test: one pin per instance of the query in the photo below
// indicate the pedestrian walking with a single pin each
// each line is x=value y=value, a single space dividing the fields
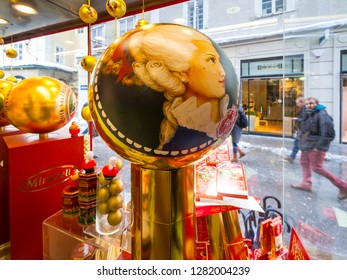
x=300 y=103
x=236 y=134
x=315 y=134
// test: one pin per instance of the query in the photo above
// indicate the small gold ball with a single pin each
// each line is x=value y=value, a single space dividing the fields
x=141 y=22
x=116 y=186
x=88 y=62
x=87 y=13
x=115 y=217
x=11 y=53
x=86 y=114
x=12 y=79
x=116 y=8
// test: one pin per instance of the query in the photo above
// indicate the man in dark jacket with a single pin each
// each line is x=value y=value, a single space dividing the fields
x=314 y=142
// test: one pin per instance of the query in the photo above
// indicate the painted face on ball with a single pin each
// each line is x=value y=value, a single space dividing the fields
x=159 y=98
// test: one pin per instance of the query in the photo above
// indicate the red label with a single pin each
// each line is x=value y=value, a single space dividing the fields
x=227 y=123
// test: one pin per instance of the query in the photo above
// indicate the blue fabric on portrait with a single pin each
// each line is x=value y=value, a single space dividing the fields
x=186 y=138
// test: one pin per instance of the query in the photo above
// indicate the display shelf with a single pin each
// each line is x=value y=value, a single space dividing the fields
x=63 y=235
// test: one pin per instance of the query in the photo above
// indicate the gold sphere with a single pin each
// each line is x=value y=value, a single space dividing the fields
x=88 y=62
x=2 y=74
x=116 y=8
x=119 y=163
x=87 y=13
x=12 y=79
x=86 y=114
x=40 y=105
x=2 y=41
x=116 y=186
x=5 y=87
x=115 y=217
x=141 y=22
x=11 y=53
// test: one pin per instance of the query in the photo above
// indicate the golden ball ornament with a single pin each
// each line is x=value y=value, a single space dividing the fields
x=115 y=217
x=115 y=202
x=5 y=87
x=102 y=180
x=87 y=13
x=40 y=105
x=119 y=163
x=11 y=53
x=142 y=22
x=86 y=114
x=152 y=77
x=116 y=8
x=88 y=62
x=75 y=177
x=116 y=186
x=103 y=208
x=103 y=194
x=2 y=41
x=2 y=74
x=12 y=79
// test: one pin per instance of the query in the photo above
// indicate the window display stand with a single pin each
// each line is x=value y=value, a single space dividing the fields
x=38 y=171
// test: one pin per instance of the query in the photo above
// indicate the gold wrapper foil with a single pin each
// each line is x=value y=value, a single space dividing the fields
x=164 y=214
x=5 y=87
x=40 y=105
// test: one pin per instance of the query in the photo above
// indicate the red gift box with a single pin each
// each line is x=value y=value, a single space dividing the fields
x=4 y=205
x=38 y=171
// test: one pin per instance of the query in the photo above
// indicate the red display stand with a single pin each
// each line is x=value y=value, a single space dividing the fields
x=4 y=207
x=38 y=171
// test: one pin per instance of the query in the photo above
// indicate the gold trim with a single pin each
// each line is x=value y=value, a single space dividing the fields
x=5 y=253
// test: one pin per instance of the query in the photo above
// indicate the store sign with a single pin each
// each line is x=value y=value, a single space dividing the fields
x=275 y=66
x=47 y=178
x=271 y=67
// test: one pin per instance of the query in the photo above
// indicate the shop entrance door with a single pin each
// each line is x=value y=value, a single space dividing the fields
x=270 y=104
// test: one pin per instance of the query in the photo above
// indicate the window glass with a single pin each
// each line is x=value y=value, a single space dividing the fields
x=280 y=51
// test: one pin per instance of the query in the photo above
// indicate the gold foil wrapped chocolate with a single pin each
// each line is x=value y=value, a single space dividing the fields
x=5 y=87
x=116 y=8
x=40 y=105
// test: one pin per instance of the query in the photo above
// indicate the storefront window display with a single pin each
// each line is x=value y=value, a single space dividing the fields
x=279 y=54
x=269 y=97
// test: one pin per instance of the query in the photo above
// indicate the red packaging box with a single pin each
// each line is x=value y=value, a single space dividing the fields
x=231 y=180
x=4 y=205
x=297 y=250
x=38 y=171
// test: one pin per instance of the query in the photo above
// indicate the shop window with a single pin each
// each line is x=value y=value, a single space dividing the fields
x=272 y=7
x=98 y=38
x=126 y=25
x=80 y=31
x=19 y=48
x=59 y=56
x=196 y=14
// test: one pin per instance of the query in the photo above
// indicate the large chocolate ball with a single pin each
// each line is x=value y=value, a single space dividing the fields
x=163 y=96
x=40 y=105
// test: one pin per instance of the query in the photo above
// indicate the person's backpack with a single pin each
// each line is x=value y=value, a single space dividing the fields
x=329 y=123
x=330 y=127
x=242 y=120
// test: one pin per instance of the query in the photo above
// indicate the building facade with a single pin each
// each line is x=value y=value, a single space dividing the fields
x=281 y=49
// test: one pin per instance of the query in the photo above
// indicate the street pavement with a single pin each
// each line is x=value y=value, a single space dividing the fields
x=317 y=216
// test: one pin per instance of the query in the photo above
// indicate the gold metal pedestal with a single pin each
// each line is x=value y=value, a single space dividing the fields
x=225 y=236
x=163 y=213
